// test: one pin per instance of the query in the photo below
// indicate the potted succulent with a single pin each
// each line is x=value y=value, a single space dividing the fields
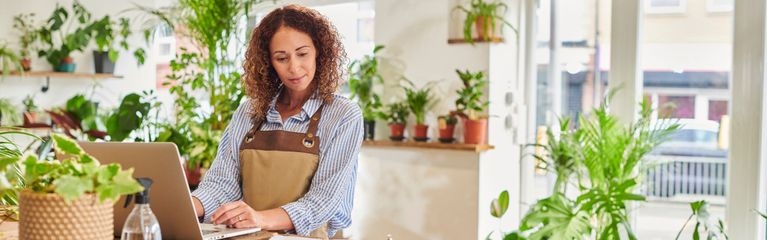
x=446 y=125
x=56 y=195
x=362 y=78
x=59 y=41
x=27 y=29
x=483 y=16
x=396 y=114
x=471 y=105
x=420 y=100
x=105 y=33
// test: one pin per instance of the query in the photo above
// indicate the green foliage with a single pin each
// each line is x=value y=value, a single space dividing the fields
x=712 y=230
x=396 y=112
x=9 y=115
x=27 y=29
x=479 y=10
x=129 y=116
x=212 y=25
x=363 y=76
x=81 y=108
x=106 y=33
x=471 y=102
x=11 y=176
x=499 y=205
x=57 y=37
x=9 y=61
x=602 y=158
x=71 y=177
x=420 y=100
x=29 y=103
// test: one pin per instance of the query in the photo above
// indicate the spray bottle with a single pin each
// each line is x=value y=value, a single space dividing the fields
x=141 y=223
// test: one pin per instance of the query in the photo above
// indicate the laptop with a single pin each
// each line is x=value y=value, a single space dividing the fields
x=169 y=196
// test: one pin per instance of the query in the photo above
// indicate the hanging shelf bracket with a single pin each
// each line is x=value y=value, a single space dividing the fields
x=47 y=84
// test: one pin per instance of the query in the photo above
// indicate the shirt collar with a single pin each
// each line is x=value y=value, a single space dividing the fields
x=309 y=108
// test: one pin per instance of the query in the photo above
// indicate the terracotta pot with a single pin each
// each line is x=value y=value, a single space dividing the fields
x=482 y=33
x=397 y=131
x=446 y=133
x=421 y=132
x=26 y=64
x=47 y=216
x=475 y=131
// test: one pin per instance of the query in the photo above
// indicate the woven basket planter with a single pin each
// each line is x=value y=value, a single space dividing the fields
x=47 y=216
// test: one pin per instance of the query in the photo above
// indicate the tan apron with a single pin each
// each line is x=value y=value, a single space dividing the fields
x=277 y=167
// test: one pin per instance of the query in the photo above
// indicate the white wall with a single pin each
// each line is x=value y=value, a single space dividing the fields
x=108 y=92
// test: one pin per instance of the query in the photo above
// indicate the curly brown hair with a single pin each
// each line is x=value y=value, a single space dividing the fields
x=260 y=80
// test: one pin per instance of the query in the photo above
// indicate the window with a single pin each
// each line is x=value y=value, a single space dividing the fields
x=665 y=6
x=719 y=5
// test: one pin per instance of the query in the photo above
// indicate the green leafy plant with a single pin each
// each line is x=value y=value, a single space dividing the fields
x=396 y=112
x=29 y=103
x=57 y=37
x=471 y=101
x=75 y=175
x=11 y=177
x=129 y=116
x=602 y=158
x=704 y=223
x=9 y=60
x=420 y=100
x=363 y=76
x=106 y=33
x=212 y=26
x=27 y=29
x=9 y=114
x=485 y=14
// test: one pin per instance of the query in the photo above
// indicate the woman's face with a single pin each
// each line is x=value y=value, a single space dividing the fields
x=293 y=56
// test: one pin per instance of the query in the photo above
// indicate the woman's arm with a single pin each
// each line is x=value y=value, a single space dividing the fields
x=221 y=183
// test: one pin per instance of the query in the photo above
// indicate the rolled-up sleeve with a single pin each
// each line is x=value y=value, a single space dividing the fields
x=330 y=195
x=218 y=186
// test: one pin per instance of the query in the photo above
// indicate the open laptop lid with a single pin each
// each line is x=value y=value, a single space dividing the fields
x=169 y=196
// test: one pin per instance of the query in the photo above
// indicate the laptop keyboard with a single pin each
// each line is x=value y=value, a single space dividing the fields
x=206 y=232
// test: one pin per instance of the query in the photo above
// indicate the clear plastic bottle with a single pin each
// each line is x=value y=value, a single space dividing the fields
x=141 y=223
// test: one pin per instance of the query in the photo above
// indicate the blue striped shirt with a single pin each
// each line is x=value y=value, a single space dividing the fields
x=331 y=192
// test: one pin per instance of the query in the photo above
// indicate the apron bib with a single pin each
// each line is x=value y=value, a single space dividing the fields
x=277 y=167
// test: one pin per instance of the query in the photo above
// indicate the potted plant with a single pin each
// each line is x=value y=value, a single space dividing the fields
x=483 y=16
x=30 y=109
x=9 y=61
x=446 y=125
x=471 y=105
x=59 y=41
x=601 y=161
x=27 y=29
x=396 y=114
x=364 y=75
x=74 y=191
x=105 y=34
x=420 y=100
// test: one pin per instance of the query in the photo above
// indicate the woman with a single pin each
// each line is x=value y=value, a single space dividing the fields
x=288 y=159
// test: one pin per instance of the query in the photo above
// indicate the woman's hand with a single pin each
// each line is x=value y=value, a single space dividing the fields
x=237 y=215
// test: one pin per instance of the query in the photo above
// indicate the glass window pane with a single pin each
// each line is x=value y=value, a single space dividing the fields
x=686 y=61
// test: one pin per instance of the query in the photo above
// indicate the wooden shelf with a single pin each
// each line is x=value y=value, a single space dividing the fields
x=476 y=40
x=66 y=75
x=73 y=75
x=433 y=145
